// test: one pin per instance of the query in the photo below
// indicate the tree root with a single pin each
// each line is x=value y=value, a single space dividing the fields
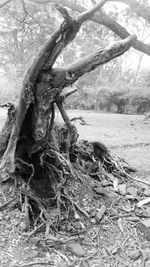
x=47 y=175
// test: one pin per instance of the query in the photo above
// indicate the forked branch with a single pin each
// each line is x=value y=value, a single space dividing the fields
x=72 y=72
x=44 y=62
x=64 y=13
x=88 y=14
x=108 y=22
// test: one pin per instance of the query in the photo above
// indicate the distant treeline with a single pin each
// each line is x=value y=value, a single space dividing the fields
x=125 y=102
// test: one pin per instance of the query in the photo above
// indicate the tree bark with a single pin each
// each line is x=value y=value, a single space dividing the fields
x=46 y=155
x=37 y=149
x=36 y=103
x=110 y=23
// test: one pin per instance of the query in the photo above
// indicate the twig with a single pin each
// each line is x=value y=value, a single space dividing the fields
x=136 y=179
x=62 y=256
x=35 y=263
x=9 y=204
x=64 y=13
x=59 y=102
x=124 y=242
x=33 y=232
x=5 y=3
x=76 y=205
x=28 y=14
x=88 y=14
x=81 y=210
x=79 y=118
x=62 y=240
x=89 y=257
x=70 y=93
x=121 y=216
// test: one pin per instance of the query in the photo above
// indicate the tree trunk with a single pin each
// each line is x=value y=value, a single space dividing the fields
x=34 y=147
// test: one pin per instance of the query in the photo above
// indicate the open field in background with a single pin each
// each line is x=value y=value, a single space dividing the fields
x=126 y=135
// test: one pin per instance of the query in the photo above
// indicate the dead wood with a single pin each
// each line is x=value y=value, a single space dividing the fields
x=107 y=21
x=44 y=154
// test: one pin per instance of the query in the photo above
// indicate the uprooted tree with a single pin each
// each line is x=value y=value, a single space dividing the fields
x=36 y=150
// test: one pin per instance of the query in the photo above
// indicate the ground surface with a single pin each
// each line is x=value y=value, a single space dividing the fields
x=114 y=239
x=126 y=135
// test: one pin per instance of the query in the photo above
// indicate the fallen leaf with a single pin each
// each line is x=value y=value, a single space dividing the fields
x=100 y=213
x=132 y=191
x=99 y=190
x=143 y=202
x=146 y=223
x=144 y=227
x=115 y=184
x=120 y=224
x=147 y=192
x=115 y=251
x=82 y=225
x=122 y=189
x=93 y=220
x=135 y=255
x=76 y=249
x=76 y=215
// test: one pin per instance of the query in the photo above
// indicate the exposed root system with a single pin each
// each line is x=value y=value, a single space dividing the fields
x=44 y=181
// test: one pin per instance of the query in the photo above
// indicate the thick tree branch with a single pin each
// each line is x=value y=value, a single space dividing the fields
x=103 y=20
x=44 y=61
x=88 y=14
x=69 y=74
x=100 y=57
x=123 y=33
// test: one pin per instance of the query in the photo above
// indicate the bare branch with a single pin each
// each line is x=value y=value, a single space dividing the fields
x=140 y=9
x=64 y=13
x=103 y=20
x=71 y=73
x=88 y=14
x=122 y=33
x=100 y=57
x=29 y=15
x=70 y=93
x=5 y=3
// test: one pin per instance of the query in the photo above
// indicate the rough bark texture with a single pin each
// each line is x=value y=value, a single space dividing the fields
x=110 y=23
x=42 y=153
